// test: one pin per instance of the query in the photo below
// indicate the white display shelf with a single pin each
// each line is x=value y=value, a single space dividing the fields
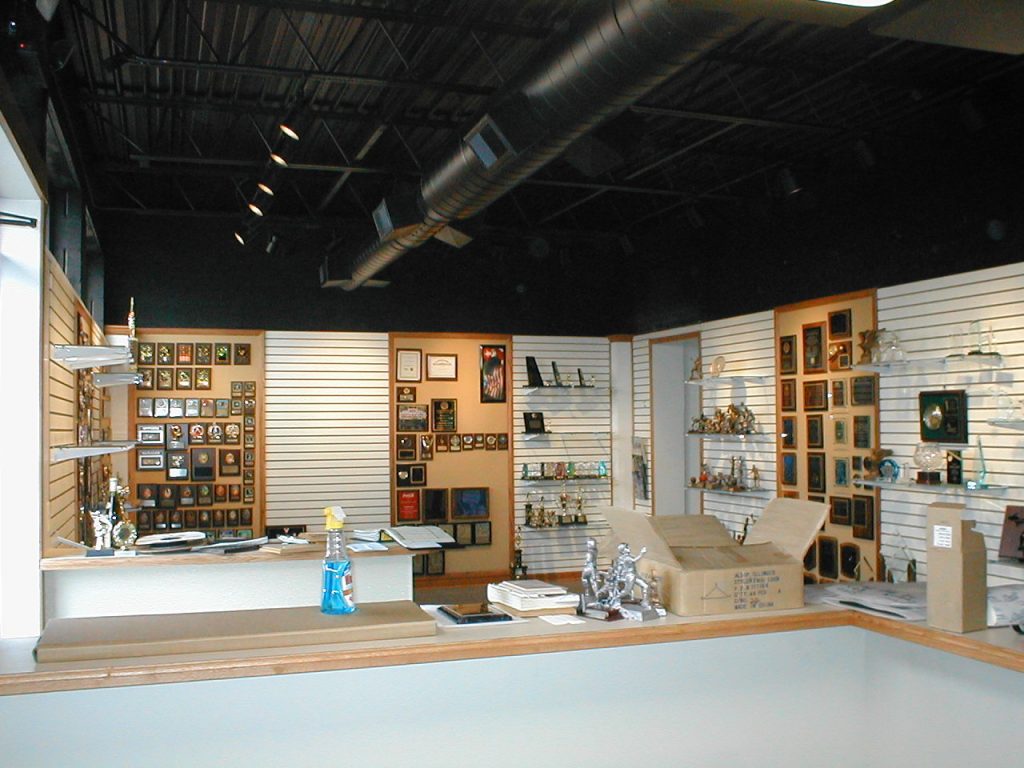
x=574 y=479
x=950 y=362
x=65 y=452
x=728 y=381
x=1007 y=423
x=726 y=492
x=753 y=437
x=116 y=379
x=528 y=390
x=76 y=357
x=573 y=433
x=899 y=485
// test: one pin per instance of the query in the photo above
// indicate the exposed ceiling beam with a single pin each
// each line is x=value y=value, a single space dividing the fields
x=396 y=14
x=715 y=117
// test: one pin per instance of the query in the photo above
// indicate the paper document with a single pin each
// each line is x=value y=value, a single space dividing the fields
x=408 y=536
x=366 y=546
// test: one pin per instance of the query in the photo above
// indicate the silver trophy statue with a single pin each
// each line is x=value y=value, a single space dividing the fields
x=604 y=592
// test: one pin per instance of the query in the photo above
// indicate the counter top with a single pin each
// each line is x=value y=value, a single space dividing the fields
x=19 y=673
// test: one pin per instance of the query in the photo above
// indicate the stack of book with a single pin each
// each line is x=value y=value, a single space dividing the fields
x=531 y=597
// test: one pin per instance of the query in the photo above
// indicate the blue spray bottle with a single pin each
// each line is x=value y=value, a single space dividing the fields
x=337 y=588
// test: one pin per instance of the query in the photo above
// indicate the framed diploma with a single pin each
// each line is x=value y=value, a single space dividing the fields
x=442 y=367
x=408 y=365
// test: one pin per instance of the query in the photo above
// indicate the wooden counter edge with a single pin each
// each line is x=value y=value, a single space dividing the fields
x=74 y=562
x=341 y=658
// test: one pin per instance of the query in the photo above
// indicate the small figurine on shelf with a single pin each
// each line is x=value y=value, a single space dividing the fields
x=755 y=478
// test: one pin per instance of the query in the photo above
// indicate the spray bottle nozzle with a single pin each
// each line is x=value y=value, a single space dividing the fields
x=334 y=518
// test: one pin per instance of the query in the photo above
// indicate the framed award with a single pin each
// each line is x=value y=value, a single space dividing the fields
x=814 y=347
x=815 y=395
x=863 y=517
x=184 y=379
x=412 y=417
x=203 y=378
x=841 y=472
x=787 y=395
x=442 y=367
x=164 y=378
x=482 y=533
x=815 y=472
x=470 y=504
x=444 y=415
x=149 y=458
x=828 y=557
x=165 y=354
x=229 y=461
x=243 y=354
x=204 y=353
x=147 y=379
x=788 y=433
x=787 y=355
x=862 y=390
x=405 y=448
x=815 y=431
x=147 y=353
x=192 y=408
x=185 y=353
x=222 y=353
x=840 y=324
x=839 y=510
x=435 y=505
x=408 y=365
x=426 y=447
x=407 y=506
x=405 y=394
x=464 y=533
x=943 y=416
x=789 y=476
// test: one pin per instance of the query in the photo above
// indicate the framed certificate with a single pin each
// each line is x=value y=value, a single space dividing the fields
x=408 y=365
x=442 y=367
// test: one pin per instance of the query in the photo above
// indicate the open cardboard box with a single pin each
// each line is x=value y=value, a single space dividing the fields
x=703 y=571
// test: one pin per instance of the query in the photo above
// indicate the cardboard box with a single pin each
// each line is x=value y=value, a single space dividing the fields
x=957 y=571
x=703 y=571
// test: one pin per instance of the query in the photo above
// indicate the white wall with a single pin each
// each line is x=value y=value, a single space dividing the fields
x=926 y=315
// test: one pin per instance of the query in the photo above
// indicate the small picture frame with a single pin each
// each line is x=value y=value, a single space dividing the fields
x=149 y=459
x=442 y=367
x=147 y=380
x=840 y=324
x=841 y=472
x=405 y=394
x=787 y=355
x=816 y=395
x=444 y=415
x=464 y=534
x=814 y=347
x=412 y=417
x=405 y=448
x=470 y=504
x=204 y=378
x=482 y=533
x=840 y=428
x=828 y=557
x=229 y=461
x=147 y=353
x=408 y=506
x=185 y=353
x=840 y=355
x=862 y=390
x=184 y=378
x=222 y=353
x=862 y=432
x=243 y=354
x=816 y=473
x=788 y=433
x=164 y=378
x=789 y=472
x=204 y=353
x=435 y=505
x=839 y=510
x=838 y=394
x=863 y=517
x=533 y=422
x=165 y=353
x=492 y=373
x=787 y=395
x=408 y=365
x=815 y=431
x=435 y=562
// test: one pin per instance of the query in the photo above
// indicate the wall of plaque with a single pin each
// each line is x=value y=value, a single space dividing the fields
x=197 y=417
x=827 y=417
x=451 y=457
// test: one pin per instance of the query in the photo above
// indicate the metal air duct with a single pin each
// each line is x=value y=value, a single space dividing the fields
x=623 y=50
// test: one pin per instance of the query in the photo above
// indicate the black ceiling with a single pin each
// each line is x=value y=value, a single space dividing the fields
x=172 y=107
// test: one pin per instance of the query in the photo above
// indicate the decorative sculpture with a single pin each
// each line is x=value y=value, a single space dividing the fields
x=604 y=592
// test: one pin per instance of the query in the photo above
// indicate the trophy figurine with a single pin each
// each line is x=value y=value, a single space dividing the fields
x=518 y=569
x=605 y=592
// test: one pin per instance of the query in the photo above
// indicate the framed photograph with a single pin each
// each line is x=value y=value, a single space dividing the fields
x=184 y=378
x=492 y=373
x=407 y=506
x=841 y=472
x=408 y=365
x=165 y=353
x=435 y=505
x=788 y=434
x=470 y=504
x=815 y=472
x=839 y=430
x=435 y=562
x=147 y=353
x=442 y=367
x=862 y=390
x=828 y=557
x=838 y=393
x=243 y=354
x=204 y=353
x=444 y=416
x=412 y=418
x=840 y=324
x=405 y=448
x=787 y=355
x=789 y=474
x=147 y=379
x=185 y=354
x=222 y=353
x=839 y=510
x=464 y=534
x=863 y=517
x=482 y=533
x=405 y=394
x=861 y=431
x=816 y=395
x=203 y=378
x=840 y=355
x=943 y=416
x=814 y=347
x=787 y=394
x=164 y=378
x=815 y=431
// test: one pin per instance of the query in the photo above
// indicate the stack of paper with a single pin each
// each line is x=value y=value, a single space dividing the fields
x=898 y=601
x=532 y=597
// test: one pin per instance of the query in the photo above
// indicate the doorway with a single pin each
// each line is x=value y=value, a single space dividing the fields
x=674 y=405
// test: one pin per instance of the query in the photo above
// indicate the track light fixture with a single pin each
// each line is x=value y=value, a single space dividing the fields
x=255 y=209
x=265 y=189
x=239 y=237
x=287 y=127
x=279 y=159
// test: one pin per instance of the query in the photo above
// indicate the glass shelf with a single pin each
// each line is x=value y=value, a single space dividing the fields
x=549 y=433
x=574 y=479
x=75 y=357
x=1008 y=423
x=65 y=452
x=753 y=437
x=727 y=492
x=116 y=379
x=994 y=490
x=728 y=381
x=949 y=362
x=528 y=389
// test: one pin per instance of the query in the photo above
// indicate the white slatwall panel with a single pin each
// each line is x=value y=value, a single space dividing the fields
x=748 y=345
x=924 y=315
x=327 y=427
x=586 y=412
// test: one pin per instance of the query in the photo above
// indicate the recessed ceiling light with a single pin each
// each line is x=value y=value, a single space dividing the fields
x=265 y=188
x=255 y=209
x=278 y=159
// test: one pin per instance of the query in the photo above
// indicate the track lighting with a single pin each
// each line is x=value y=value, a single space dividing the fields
x=288 y=129
x=239 y=238
x=255 y=209
x=265 y=189
x=279 y=159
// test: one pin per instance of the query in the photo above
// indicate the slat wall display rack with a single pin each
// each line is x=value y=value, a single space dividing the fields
x=928 y=316
x=579 y=424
